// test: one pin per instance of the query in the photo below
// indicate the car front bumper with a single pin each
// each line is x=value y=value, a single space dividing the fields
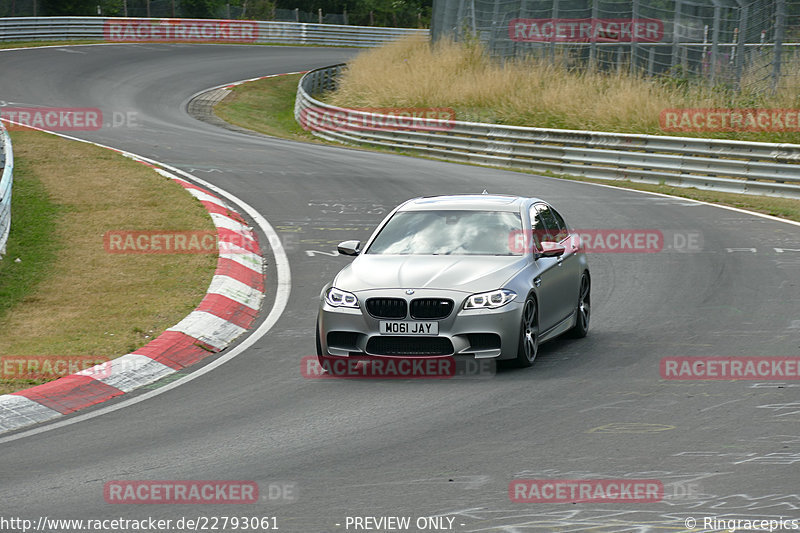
x=478 y=333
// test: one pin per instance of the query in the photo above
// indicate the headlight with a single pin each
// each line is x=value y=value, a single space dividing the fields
x=490 y=300
x=339 y=298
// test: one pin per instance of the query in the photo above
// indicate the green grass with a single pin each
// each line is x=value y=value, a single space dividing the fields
x=36 y=44
x=31 y=239
x=68 y=296
x=267 y=106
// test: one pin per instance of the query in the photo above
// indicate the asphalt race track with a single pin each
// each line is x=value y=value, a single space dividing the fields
x=591 y=408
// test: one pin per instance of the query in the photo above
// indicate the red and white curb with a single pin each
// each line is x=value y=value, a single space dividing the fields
x=228 y=309
x=240 y=82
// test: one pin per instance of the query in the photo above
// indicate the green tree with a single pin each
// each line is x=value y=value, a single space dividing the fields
x=201 y=8
x=258 y=9
x=55 y=8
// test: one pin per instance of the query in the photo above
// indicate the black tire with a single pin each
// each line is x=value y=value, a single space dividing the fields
x=583 y=309
x=320 y=358
x=528 y=334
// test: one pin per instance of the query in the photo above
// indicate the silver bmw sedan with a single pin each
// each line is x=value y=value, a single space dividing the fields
x=482 y=276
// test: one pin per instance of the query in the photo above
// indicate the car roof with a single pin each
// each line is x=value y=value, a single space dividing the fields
x=477 y=202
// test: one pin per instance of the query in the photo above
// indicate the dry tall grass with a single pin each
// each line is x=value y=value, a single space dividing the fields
x=526 y=92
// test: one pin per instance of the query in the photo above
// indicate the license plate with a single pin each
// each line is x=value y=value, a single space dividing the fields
x=392 y=327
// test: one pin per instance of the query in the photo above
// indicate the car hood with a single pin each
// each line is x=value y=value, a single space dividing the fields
x=461 y=273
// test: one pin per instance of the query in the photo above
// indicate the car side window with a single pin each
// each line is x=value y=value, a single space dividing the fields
x=563 y=230
x=550 y=230
x=538 y=229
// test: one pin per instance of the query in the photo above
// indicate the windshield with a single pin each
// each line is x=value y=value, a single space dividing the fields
x=448 y=233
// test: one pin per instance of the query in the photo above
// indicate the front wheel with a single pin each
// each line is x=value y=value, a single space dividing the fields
x=581 y=327
x=320 y=357
x=528 y=334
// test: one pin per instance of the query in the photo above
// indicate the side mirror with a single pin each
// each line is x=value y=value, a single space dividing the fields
x=551 y=249
x=354 y=248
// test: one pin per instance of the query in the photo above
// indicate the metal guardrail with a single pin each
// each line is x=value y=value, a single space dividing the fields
x=94 y=28
x=6 y=181
x=729 y=166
